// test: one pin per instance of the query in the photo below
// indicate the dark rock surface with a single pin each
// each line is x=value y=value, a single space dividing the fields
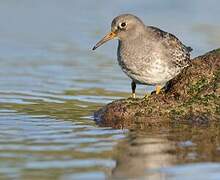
x=193 y=98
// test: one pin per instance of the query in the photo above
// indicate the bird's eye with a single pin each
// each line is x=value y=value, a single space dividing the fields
x=122 y=25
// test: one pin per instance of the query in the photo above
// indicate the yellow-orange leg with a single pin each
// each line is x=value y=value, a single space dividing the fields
x=133 y=87
x=158 y=89
x=147 y=95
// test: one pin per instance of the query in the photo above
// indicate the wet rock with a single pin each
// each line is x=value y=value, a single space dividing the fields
x=193 y=98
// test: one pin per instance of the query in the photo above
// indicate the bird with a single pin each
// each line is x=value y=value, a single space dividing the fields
x=146 y=54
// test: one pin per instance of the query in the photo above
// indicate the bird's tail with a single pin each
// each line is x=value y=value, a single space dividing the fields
x=189 y=49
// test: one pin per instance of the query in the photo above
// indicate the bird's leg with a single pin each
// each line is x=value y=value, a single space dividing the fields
x=133 y=87
x=158 y=89
x=168 y=85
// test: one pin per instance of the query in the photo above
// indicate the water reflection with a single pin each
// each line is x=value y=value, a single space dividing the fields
x=142 y=154
x=173 y=154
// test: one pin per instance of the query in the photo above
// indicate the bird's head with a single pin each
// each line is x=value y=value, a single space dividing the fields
x=123 y=27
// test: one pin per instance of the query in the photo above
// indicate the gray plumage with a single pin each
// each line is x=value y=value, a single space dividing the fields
x=147 y=54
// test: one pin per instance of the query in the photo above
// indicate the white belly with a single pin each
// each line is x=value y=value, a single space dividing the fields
x=156 y=72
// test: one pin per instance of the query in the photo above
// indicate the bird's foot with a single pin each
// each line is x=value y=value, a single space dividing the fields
x=133 y=95
x=147 y=95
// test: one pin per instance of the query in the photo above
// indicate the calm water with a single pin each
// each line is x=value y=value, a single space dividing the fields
x=51 y=83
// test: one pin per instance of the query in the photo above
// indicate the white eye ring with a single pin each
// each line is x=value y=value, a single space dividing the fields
x=122 y=25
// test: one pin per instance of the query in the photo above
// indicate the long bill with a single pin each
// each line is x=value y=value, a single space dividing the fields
x=108 y=37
